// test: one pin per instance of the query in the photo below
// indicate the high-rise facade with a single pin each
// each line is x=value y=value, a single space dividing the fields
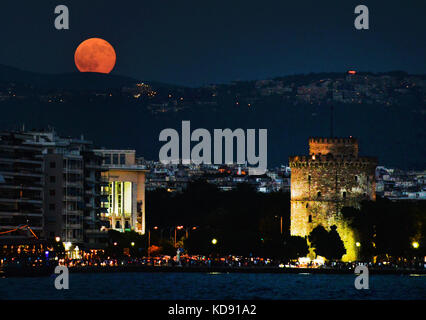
x=125 y=204
x=53 y=184
x=72 y=191
x=21 y=186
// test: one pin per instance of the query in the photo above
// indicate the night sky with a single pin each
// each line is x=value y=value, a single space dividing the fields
x=193 y=43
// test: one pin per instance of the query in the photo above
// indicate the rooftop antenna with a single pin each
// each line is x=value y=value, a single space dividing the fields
x=331 y=121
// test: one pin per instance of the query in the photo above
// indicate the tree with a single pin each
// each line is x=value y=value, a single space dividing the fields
x=388 y=228
x=327 y=244
x=295 y=247
x=336 y=245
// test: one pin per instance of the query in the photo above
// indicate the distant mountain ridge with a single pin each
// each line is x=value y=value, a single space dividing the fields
x=386 y=111
x=73 y=80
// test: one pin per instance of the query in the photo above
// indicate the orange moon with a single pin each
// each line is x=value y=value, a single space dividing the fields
x=95 y=55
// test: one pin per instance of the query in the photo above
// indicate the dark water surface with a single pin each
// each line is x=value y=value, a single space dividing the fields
x=159 y=286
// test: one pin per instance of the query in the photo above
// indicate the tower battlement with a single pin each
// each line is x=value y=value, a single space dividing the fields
x=334 y=146
x=343 y=160
x=333 y=140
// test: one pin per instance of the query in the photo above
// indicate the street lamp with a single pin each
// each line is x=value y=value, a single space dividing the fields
x=214 y=241
x=177 y=228
x=415 y=244
x=132 y=244
x=358 y=244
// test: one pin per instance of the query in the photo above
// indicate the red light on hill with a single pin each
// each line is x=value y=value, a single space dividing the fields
x=352 y=72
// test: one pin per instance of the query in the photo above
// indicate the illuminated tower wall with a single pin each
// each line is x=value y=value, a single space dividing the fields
x=333 y=176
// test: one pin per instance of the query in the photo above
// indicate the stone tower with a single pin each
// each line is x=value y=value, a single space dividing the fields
x=333 y=176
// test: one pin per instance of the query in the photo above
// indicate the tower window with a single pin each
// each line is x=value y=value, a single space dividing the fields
x=356 y=178
x=319 y=194
x=310 y=219
x=344 y=194
x=307 y=205
x=309 y=178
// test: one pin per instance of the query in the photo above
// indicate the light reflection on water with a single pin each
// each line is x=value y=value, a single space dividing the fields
x=189 y=286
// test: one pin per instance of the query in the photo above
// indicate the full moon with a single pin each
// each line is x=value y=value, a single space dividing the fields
x=95 y=55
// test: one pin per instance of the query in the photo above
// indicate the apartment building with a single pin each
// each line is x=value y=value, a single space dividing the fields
x=21 y=186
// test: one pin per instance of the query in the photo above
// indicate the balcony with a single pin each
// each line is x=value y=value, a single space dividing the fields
x=73 y=170
x=73 y=198
x=74 y=225
x=77 y=184
x=72 y=212
x=22 y=200
x=21 y=214
x=32 y=173
x=21 y=187
x=29 y=160
x=130 y=167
